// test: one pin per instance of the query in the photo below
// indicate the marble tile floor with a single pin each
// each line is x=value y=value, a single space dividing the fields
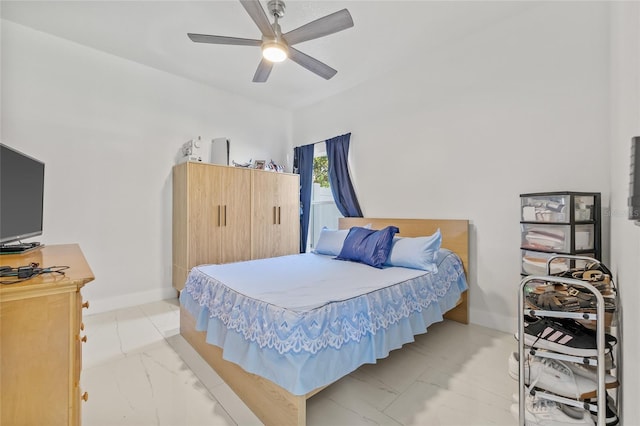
x=140 y=372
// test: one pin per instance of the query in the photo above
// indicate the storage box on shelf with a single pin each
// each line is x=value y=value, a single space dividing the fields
x=595 y=286
x=558 y=223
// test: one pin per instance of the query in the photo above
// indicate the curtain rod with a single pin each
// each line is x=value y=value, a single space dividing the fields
x=315 y=143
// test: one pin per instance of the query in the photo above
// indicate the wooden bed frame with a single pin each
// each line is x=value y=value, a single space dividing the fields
x=272 y=404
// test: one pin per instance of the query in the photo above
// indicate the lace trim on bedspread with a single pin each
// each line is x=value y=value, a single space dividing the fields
x=331 y=325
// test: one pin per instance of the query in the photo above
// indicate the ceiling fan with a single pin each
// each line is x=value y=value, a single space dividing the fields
x=276 y=46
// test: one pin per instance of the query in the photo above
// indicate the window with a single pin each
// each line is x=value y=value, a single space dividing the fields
x=323 y=208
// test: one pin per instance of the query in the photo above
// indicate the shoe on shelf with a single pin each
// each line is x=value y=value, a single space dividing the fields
x=543 y=412
x=589 y=370
x=558 y=297
x=552 y=300
x=592 y=373
x=611 y=419
x=548 y=333
x=576 y=326
x=553 y=376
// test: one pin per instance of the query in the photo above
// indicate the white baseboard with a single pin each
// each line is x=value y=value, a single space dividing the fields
x=493 y=320
x=131 y=299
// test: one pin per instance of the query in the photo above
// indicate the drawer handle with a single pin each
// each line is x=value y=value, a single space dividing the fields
x=84 y=339
x=81 y=326
x=85 y=305
x=85 y=396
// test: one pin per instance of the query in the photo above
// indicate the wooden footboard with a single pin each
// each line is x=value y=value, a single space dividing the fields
x=272 y=404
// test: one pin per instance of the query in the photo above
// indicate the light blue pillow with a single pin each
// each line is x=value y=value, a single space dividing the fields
x=330 y=241
x=416 y=253
x=368 y=246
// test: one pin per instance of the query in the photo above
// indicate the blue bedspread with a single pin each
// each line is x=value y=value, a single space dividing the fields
x=302 y=345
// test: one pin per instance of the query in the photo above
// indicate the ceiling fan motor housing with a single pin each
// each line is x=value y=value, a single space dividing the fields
x=276 y=7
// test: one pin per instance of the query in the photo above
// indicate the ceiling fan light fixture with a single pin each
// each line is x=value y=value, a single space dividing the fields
x=276 y=46
x=274 y=52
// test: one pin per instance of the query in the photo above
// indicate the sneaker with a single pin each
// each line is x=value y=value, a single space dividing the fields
x=576 y=326
x=546 y=333
x=542 y=412
x=611 y=419
x=553 y=376
x=591 y=373
x=609 y=365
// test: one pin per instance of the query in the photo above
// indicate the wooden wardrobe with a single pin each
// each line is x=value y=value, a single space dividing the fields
x=225 y=214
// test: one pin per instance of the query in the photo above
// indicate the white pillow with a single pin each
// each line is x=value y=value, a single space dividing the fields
x=330 y=241
x=416 y=253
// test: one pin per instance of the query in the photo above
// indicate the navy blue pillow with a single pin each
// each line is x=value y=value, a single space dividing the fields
x=368 y=246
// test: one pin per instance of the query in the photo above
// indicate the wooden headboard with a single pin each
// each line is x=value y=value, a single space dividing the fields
x=455 y=237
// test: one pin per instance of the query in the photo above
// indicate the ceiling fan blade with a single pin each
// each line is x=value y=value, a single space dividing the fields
x=213 y=39
x=338 y=21
x=255 y=10
x=312 y=64
x=263 y=71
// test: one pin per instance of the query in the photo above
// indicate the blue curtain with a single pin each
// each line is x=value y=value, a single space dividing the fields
x=339 y=180
x=303 y=165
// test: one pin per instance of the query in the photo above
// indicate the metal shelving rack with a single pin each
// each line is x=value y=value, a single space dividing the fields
x=599 y=316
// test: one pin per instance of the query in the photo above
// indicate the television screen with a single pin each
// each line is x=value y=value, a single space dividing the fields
x=634 y=184
x=21 y=195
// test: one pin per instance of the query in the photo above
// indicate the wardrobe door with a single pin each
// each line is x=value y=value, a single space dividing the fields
x=204 y=214
x=276 y=215
x=264 y=234
x=288 y=202
x=235 y=213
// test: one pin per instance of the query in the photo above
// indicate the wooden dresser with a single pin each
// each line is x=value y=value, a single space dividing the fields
x=41 y=341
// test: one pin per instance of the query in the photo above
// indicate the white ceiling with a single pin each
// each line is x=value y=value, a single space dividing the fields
x=386 y=35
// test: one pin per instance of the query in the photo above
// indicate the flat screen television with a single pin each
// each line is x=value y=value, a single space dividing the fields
x=634 y=184
x=21 y=198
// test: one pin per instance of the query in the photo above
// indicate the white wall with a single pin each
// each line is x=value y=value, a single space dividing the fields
x=625 y=237
x=462 y=131
x=522 y=106
x=108 y=131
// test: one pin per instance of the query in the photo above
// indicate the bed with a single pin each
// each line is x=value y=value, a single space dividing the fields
x=268 y=342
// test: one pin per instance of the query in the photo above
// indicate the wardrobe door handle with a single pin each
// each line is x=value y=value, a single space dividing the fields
x=275 y=216
x=279 y=216
x=219 y=216
x=225 y=215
